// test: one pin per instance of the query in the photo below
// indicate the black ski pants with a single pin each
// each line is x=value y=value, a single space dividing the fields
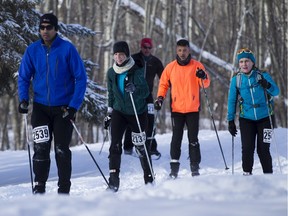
x=191 y=120
x=151 y=141
x=119 y=123
x=253 y=132
x=48 y=124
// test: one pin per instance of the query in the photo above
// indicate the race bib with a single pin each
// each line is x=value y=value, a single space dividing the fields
x=138 y=139
x=150 y=108
x=41 y=134
x=267 y=135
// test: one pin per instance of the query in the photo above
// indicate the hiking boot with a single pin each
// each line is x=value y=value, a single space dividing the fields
x=39 y=188
x=194 y=169
x=114 y=181
x=174 y=169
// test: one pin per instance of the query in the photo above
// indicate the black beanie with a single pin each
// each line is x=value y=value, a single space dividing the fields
x=121 y=46
x=49 y=18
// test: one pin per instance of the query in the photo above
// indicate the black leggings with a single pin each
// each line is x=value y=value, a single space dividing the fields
x=178 y=122
x=250 y=130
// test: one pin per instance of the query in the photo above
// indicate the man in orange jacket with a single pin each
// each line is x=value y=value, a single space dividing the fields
x=185 y=77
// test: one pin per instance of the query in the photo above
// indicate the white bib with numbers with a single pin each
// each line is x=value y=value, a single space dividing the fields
x=41 y=134
x=267 y=135
x=150 y=107
x=138 y=139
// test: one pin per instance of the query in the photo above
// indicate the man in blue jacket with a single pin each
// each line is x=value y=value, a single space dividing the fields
x=59 y=83
x=253 y=91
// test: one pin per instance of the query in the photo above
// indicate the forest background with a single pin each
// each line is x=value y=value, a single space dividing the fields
x=215 y=28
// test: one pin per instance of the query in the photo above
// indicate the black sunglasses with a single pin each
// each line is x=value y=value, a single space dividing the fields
x=145 y=47
x=48 y=27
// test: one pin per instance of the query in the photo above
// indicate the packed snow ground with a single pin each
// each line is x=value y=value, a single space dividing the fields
x=215 y=192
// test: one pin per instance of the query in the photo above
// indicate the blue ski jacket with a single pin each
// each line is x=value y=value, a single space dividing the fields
x=250 y=96
x=57 y=73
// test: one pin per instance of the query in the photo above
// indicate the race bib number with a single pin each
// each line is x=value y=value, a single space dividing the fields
x=41 y=134
x=138 y=139
x=150 y=108
x=267 y=135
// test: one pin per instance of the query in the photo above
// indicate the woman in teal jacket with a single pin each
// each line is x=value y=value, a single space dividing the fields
x=253 y=91
x=123 y=79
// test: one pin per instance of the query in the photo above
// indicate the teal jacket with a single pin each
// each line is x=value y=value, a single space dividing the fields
x=122 y=102
x=250 y=96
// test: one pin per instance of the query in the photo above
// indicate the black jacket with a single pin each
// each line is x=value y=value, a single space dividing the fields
x=152 y=67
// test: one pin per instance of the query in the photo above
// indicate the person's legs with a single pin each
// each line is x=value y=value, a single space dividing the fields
x=178 y=121
x=192 y=122
x=264 y=138
x=118 y=126
x=42 y=144
x=152 y=144
x=248 y=131
x=127 y=144
x=140 y=142
x=62 y=137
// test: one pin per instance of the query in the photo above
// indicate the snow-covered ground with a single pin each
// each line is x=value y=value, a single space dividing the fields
x=215 y=192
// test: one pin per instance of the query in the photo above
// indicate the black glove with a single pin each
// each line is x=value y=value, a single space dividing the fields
x=69 y=113
x=23 y=107
x=107 y=121
x=232 y=128
x=158 y=103
x=201 y=74
x=264 y=83
x=130 y=87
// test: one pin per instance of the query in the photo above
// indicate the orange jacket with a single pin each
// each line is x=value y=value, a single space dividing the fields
x=185 y=86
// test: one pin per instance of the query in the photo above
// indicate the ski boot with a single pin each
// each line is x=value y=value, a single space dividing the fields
x=39 y=188
x=174 y=169
x=194 y=169
x=114 y=181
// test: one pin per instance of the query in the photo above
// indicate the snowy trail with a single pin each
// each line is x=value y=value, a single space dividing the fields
x=215 y=191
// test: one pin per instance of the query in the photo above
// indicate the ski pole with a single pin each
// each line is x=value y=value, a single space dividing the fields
x=211 y=115
x=232 y=155
x=29 y=152
x=137 y=119
x=104 y=141
x=82 y=140
x=272 y=127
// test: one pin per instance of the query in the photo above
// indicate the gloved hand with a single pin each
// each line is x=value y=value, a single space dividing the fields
x=232 y=128
x=158 y=103
x=69 y=113
x=107 y=121
x=264 y=83
x=201 y=74
x=23 y=107
x=130 y=87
